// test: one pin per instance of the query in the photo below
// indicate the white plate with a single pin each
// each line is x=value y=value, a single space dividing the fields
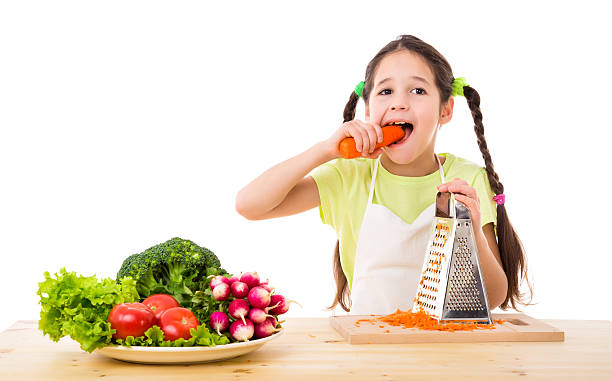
x=184 y=355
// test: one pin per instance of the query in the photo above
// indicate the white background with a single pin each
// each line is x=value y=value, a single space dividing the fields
x=124 y=124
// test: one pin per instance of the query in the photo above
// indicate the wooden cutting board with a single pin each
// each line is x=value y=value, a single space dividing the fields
x=517 y=327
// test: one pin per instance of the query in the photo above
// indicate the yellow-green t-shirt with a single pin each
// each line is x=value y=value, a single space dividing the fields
x=344 y=186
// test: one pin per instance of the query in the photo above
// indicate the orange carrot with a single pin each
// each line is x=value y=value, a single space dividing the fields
x=422 y=320
x=391 y=134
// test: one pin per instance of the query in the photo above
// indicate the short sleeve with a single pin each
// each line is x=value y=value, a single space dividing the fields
x=329 y=183
x=488 y=207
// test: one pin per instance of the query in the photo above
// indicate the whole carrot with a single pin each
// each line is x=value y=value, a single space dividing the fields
x=391 y=134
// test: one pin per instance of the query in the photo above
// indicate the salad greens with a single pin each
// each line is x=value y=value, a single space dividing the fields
x=154 y=336
x=78 y=306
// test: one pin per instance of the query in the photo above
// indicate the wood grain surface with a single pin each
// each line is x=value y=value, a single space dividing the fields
x=516 y=327
x=311 y=348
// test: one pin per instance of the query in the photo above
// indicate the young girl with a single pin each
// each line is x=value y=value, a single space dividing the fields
x=382 y=204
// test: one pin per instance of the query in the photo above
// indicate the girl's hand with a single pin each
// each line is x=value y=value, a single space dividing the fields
x=366 y=136
x=467 y=195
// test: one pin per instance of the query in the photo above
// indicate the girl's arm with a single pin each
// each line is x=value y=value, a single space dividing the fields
x=283 y=190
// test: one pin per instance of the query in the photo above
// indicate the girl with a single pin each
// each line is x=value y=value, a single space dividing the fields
x=382 y=205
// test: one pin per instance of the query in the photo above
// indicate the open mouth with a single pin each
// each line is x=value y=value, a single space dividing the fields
x=407 y=127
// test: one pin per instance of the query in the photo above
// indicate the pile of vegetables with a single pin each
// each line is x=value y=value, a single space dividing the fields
x=250 y=303
x=168 y=295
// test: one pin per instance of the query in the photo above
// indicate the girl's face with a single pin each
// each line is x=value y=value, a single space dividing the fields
x=404 y=90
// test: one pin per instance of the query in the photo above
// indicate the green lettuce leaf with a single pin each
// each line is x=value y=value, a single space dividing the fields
x=77 y=306
x=154 y=337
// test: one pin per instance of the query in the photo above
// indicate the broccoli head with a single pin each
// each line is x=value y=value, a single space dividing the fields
x=177 y=267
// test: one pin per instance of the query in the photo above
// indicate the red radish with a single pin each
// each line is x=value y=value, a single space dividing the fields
x=258 y=316
x=283 y=304
x=266 y=286
x=242 y=331
x=221 y=292
x=271 y=307
x=265 y=329
x=239 y=289
x=234 y=278
x=218 y=279
x=273 y=321
x=219 y=321
x=251 y=279
x=259 y=297
x=238 y=309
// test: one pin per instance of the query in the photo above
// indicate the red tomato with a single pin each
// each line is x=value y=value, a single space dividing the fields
x=159 y=303
x=176 y=322
x=130 y=319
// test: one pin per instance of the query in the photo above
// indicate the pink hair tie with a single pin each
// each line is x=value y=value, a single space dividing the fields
x=500 y=199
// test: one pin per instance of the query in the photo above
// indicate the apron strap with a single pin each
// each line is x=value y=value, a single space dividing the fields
x=441 y=170
x=371 y=194
x=452 y=211
x=373 y=183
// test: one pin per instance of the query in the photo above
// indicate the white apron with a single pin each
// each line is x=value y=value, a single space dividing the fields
x=389 y=257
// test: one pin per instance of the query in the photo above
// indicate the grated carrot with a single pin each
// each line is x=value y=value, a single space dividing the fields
x=422 y=320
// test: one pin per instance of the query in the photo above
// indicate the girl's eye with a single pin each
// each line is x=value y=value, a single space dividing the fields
x=420 y=91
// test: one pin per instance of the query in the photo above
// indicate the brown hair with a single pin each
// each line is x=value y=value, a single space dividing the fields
x=511 y=250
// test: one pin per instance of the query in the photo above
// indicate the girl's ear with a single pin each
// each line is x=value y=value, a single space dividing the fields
x=447 y=111
x=367 y=112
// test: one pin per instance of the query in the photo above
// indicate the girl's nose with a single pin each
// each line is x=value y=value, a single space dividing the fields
x=399 y=103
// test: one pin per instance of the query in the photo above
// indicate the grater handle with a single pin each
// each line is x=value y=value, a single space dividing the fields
x=462 y=210
x=445 y=205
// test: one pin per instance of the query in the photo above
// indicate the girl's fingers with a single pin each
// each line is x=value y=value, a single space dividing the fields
x=375 y=154
x=378 y=131
x=370 y=136
x=358 y=135
x=365 y=140
x=468 y=201
x=472 y=205
x=465 y=194
x=367 y=136
x=459 y=186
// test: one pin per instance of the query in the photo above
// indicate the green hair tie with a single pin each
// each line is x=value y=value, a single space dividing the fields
x=359 y=88
x=458 y=85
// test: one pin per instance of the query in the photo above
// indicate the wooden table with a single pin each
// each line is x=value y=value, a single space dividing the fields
x=311 y=350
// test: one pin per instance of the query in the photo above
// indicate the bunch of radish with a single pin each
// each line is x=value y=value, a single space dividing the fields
x=253 y=307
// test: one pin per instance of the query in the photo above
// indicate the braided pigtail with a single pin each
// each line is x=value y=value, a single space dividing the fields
x=511 y=249
x=350 y=108
x=343 y=292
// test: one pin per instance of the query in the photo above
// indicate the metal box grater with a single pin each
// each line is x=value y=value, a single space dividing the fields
x=451 y=285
